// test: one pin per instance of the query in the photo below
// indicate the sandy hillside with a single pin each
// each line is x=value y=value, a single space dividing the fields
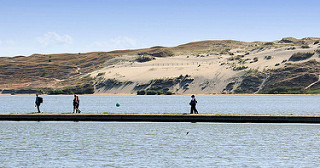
x=211 y=72
x=202 y=67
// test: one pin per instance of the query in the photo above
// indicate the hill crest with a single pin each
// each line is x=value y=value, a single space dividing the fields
x=211 y=65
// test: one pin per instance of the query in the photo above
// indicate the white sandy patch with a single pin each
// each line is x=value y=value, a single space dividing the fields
x=215 y=71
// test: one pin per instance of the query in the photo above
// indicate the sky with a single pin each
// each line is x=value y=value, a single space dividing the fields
x=73 y=26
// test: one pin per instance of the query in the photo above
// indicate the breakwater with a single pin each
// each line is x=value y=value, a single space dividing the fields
x=161 y=118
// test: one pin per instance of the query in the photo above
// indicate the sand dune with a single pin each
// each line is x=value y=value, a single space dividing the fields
x=203 y=67
x=214 y=70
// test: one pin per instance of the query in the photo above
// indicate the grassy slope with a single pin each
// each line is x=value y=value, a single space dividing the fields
x=60 y=70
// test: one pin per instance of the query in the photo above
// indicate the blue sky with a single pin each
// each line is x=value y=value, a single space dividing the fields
x=60 y=26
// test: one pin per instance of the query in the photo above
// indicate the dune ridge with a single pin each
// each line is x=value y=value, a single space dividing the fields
x=204 y=67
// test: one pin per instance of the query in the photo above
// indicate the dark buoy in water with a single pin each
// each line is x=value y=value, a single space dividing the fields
x=117 y=104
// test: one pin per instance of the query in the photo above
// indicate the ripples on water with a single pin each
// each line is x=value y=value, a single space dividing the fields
x=143 y=144
x=115 y=144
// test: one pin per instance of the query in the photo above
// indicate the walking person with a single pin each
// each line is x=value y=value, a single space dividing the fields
x=76 y=103
x=38 y=101
x=193 y=103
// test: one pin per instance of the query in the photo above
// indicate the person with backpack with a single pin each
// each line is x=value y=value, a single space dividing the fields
x=38 y=101
x=76 y=103
x=193 y=103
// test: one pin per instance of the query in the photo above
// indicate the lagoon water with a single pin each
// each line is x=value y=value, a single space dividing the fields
x=146 y=144
x=217 y=104
x=115 y=144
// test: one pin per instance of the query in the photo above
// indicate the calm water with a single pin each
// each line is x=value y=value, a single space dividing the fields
x=115 y=144
x=145 y=144
x=220 y=104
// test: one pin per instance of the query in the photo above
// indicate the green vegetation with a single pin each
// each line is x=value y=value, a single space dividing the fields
x=251 y=72
x=268 y=57
x=110 y=83
x=101 y=74
x=153 y=92
x=308 y=91
x=141 y=92
x=283 y=90
x=143 y=58
x=239 y=91
x=78 y=89
x=269 y=43
x=243 y=61
x=300 y=56
x=226 y=51
x=142 y=85
x=239 y=68
x=238 y=57
x=158 y=52
x=291 y=48
x=305 y=46
x=289 y=40
x=87 y=87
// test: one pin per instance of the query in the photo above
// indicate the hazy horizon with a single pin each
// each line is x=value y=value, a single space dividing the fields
x=36 y=26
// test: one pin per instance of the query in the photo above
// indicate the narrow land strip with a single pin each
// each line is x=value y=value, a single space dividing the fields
x=161 y=118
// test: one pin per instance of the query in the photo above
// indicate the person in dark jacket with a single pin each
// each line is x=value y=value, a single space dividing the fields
x=38 y=102
x=76 y=103
x=193 y=103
